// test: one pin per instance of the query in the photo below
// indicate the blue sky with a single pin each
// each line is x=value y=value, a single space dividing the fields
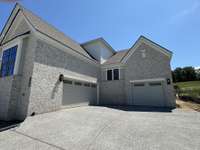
x=174 y=24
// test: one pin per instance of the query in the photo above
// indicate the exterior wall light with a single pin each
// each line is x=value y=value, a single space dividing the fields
x=61 y=77
x=168 y=81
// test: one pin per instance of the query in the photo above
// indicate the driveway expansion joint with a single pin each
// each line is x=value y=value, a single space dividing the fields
x=38 y=140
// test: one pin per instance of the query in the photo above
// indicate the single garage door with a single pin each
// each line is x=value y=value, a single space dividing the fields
x=76 y=93
x=148 y=93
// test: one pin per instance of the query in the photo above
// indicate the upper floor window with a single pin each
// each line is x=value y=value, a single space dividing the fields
x=113 y=74
x=8 y=61
x=109 y=74
x=116 y=74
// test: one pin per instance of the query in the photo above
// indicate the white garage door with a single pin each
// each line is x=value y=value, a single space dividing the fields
x=148 y=93
x=77 y=93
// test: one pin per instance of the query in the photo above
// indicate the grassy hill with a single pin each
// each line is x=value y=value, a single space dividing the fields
x=190 y=89
x=189 y=84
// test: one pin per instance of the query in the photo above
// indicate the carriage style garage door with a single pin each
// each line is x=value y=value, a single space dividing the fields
x=77 y=93
x=148 y=93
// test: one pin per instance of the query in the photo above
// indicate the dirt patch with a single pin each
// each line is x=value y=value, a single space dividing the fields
x=187 y=105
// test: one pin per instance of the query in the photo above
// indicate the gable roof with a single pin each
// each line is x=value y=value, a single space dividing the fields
x=123 y=55
x=116 y=58
x=102 y=40
x=149 y=42
x=48 y=30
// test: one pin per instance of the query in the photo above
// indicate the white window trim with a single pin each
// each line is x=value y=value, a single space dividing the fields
x=112 y=74
x=11 y=44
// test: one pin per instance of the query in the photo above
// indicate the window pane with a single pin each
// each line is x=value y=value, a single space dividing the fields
x=138 y=84
x=109 y=74
x=87 y=84
x=3 y=70
x=116 y=74
x=78 y=83
x=155 y=84
x=93 y=85
x=8 y=61
x=11 y=68
x=67 y=81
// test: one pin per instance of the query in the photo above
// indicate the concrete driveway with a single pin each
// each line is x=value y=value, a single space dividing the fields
x=101 y=128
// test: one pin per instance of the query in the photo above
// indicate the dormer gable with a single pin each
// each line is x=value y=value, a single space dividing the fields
x=99 y=49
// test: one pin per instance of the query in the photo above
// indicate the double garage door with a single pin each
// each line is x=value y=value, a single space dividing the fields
x=76 y=93
x=148 y=93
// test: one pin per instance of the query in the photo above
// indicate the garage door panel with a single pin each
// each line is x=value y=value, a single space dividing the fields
x=75 y=94
x=148 y=94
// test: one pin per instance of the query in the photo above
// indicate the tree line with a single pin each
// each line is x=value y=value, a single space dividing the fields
x=185 y=74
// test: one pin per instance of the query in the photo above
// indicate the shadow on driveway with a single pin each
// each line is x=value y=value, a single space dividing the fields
x=5 y=125
x=142 y=108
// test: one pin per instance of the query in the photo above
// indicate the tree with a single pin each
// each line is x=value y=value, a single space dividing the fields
x=177 y=74
x=189 y=74
x=198 y=74
x=185 y=74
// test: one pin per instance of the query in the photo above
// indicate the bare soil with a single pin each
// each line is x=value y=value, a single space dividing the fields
x=187 y=105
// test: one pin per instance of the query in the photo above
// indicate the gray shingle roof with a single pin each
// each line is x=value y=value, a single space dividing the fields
x=50 y=31
x=116 y=58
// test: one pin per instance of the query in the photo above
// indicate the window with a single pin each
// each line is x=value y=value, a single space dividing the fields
x=93 y=85
x=87 y=84
x=113 y=74
x=78 y=83
x=67 y=81
x=8 y=61
x=109 y=75
x=116 y=74
x=139 y=84
x=155 y=84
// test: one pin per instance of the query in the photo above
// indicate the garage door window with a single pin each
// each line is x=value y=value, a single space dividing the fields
x=87 y=84
x=67 y=81
x=155 y=84
x=138 y=84
x=78 y=83
x=93 y=85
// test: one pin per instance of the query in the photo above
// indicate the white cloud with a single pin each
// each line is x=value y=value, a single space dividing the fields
x=197 y=67
x=186 y=12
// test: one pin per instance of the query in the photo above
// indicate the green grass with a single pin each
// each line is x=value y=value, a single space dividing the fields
x=189 y=84
x=190 y=88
